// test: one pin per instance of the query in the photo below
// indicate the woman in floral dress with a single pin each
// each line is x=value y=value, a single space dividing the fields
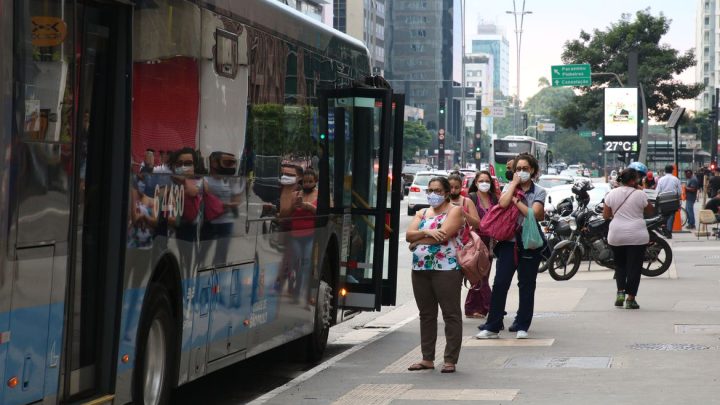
x=436 y=276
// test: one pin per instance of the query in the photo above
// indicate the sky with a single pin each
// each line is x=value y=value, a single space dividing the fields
x=553 y=22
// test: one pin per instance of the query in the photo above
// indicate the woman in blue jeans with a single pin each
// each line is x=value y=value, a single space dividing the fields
x=511 y=255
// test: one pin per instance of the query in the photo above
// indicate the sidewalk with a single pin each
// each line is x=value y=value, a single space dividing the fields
x=582 y=349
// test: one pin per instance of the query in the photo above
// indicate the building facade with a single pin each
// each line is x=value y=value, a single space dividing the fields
x=419 y=61
x=491 y=39
x=364 y=20
x=478 y=75
x=320 y=10
x=707 y=70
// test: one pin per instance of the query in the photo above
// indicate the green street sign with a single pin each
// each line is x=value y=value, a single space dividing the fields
x=585 y=134
x=571 y=75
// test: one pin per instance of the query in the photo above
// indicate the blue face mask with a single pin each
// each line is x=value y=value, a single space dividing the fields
x=435 y=200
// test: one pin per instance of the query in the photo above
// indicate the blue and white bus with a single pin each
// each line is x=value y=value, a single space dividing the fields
x=184 y=184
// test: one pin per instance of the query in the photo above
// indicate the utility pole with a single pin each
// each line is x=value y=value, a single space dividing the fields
x=462 y=102
x=518 y=43
x=714 y=127
x=478 y=131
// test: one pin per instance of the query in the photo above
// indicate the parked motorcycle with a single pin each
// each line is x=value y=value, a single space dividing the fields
x=588 y=239
x=556 y=227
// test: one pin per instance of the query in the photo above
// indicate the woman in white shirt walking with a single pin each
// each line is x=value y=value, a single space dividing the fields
x=628 y=235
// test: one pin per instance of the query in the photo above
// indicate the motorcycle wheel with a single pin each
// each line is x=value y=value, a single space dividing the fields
x=658 y=257
x=546 y=254
x=564 y=262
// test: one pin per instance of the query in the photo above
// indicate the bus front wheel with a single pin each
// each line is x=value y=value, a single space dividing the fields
x=157 y=341
x=317 y=341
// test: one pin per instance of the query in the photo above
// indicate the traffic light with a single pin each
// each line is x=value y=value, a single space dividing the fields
x=442 y=106
x=713 y=166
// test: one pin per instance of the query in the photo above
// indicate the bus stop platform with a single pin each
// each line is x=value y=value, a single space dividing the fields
x=582 y=349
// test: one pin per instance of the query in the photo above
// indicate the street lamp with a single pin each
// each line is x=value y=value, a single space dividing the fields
x=518 y=42
x=462 y=103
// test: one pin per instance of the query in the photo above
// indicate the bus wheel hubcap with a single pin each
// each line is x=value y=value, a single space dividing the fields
x=155 y=358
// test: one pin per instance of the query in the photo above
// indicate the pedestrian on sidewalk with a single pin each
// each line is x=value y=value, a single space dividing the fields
x=714 y=183
x=483 y=194
x=513 y=257
x=691 y=189
x=436 y=277
x=669 y=183
x=627 y=236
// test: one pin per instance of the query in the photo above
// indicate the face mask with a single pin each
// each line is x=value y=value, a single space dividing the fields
x=308 y=190
x=483 y=187
x=435 y=200
x=226 y=171
x=288 y=180
x=182 y=170
x=524 y=176
x=509 y=175
x=454 y=196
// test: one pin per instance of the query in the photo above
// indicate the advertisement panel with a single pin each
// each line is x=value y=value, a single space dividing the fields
x=621 y=112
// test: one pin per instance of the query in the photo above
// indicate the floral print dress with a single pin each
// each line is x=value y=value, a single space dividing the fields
x=436 y=257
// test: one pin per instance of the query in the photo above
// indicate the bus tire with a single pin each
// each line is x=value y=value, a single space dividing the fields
x=316 y=342
x=155 y=371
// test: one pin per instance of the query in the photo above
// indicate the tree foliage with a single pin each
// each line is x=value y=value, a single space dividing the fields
x=607 y=51
x=415 y=137
x=699 y=124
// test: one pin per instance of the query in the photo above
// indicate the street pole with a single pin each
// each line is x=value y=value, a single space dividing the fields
x=518 y=43
x=462 y=102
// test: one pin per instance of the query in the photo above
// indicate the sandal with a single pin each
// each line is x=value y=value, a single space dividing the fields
x=448 y=368
x=419 y=367
x=476 y=315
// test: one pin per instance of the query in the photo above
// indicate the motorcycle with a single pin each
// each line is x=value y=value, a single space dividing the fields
x=588 y=240
x=556 y=227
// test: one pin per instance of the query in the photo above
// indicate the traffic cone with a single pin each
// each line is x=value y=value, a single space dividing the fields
x=677 y=225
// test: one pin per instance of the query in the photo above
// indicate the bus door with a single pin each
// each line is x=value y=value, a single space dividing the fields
x=98 y=214
x=359 y=125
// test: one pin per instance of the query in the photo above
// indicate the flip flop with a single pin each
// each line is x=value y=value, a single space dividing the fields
x=448 y=369
x=420 y=366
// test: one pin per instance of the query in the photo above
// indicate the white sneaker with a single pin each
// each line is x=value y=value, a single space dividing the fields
x=486 y=334
x=521 y=334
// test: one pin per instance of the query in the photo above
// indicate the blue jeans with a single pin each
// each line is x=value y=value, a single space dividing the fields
x=690 y=208
x=527 y=268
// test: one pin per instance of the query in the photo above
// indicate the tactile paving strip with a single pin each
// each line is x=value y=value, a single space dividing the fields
x=459 y=395
x=558 y=362
x=668 y=347
x=512 y=342
x=415 y=355
x=373 y=394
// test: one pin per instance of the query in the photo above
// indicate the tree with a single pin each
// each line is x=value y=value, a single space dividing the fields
x=415 y=137
x=543 y=82
x=606 y=51
x=699 y=124
x=570 y=147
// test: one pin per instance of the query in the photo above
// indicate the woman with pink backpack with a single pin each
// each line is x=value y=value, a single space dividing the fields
x=483 y=196
x=527 y=198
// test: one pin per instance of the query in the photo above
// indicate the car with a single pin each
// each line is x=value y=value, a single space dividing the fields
x=558 y=193
x=408 y=172
x=572 y=173
x=417 y=197
x=552 y=170
x=549 y=181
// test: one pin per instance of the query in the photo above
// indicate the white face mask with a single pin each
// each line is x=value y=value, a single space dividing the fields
x=288 y=180
x=483 y=187
x=181 y=170
x=524 y=176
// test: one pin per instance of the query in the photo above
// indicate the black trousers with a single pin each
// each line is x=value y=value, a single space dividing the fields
x=628 y=263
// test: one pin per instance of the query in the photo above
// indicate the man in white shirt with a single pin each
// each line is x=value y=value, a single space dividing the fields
x=669 y=182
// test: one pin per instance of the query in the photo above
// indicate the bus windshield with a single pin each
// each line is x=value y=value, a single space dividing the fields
x=512 y=147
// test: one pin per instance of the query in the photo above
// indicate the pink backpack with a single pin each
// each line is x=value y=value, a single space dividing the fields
x=474 y=259
x=501 y=223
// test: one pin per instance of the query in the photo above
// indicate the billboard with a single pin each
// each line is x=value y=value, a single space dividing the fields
x=621 y=112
